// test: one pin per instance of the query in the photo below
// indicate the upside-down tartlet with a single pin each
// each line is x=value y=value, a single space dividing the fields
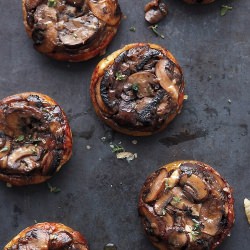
x=186 y=205
x=49 y=236
x=35 y=138
x=71 y=30
x=138 y=90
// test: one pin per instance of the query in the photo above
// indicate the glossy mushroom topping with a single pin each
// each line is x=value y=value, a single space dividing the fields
x=138 y=90
x=48 y=236
x=71 y=30
x=155 y=11
x=35 y=138
x=186 y=205
x=198 y=1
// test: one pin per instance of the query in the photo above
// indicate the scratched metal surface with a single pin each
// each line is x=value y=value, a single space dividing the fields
x=99 y=193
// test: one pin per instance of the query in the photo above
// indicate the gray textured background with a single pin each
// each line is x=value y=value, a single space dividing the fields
x=99 y=193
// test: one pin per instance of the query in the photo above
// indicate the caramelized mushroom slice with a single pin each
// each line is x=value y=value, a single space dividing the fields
x=157 y=186
x=164 y=79
x=106 y=10
x=155 y=11
x=211 y=215
x=177 y=240
x=195 y=186
x=162 y=202
x=79 y=30
x=48 y=236
x=142 y=81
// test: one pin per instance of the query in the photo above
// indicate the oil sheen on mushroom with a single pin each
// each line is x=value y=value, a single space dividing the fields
x=35 y=138
x=48 y=236
x=186 y=205
x=71 y=30
x=138 y=90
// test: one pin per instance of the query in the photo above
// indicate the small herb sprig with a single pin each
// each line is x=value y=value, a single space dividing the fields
x=119 y=76
x=116 y=148
x=196 y=229
x=157 y=33
x=132 y=29
x=53 y=189
x=52 y=3
x=224 y=9
x=177 y=199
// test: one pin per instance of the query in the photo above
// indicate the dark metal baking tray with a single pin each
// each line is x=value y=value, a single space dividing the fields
x=99 y=193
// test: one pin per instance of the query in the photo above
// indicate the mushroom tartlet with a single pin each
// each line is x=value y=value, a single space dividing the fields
x=138 y=89
x=186 y=205
x=199 y=1
x=71 y=30
x=49 y=236
x=35 y=138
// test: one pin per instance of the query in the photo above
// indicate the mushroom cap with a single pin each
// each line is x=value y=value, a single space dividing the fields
x=48 y=235
x=104 y=109
x=38 y=138
x=174 y=217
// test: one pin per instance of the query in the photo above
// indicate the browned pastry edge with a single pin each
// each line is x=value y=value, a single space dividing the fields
x=95 y=89
x=56 y=227
x=230 y=200
x=86 y=54
x=19 y=180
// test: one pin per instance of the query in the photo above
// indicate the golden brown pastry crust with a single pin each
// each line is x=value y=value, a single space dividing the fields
x=175 y=92
x=48 y=233
x=186 y=204
x=96 y=44
x=36 y=138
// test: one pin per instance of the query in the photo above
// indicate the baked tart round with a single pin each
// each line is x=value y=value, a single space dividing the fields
x=186 y=205
x=35 y=138
x=138 y=90
x=49 y=236
x=71 y=30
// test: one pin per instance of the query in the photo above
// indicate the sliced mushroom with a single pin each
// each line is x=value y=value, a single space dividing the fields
x=155 y=11
x=35 y=239
x=168 y=219
x=79 y=30
x=195 y=186
x=142 y=81
x=177 y=240
x=106 y=10
x=24 y=159
x=162 y=202
x=165 y=82
x=157 y=186
x=173 y=179
x=211 y=215
x=60 y=240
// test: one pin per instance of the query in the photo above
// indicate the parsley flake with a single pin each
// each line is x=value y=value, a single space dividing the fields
x=53 y=189
x=154 y=29
x=119 y=76
x=224 y=9
x=132 y=28
x=51 y=3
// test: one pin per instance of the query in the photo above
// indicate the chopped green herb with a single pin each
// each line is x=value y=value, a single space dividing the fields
x=116 y=149
x=154 y=29
x=224 y=9
x=135 y=87
x=53 y=189
x=51 y=3
x=166 y=184
x=132 y=28
x=19 y=138
x=33 y=151
x=119 y=76
x=176 y=199
x=4 y=149
x=196 y=230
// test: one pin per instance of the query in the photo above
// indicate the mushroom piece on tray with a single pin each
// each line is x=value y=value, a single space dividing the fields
x=35 y=138
x=186 y=205
x=49 y=236
x=71 y=30
x=138 y=90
